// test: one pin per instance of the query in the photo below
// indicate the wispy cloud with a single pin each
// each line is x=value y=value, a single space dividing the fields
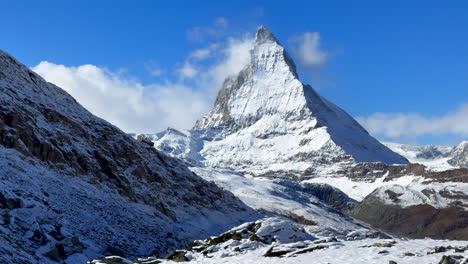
x=307 y=49
x=187 y=71
x=411 y=125
x=204 y=53
x=200 y=34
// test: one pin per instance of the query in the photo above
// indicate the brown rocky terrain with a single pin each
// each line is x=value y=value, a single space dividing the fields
x=415 y=221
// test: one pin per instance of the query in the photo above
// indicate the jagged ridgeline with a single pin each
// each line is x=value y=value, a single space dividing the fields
x=74 y=187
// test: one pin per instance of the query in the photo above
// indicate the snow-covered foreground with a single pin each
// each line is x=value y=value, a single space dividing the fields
x=424 y=251
x=362 y=251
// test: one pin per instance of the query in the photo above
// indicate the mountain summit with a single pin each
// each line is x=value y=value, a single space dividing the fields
x=266 y=122
x=264 y=35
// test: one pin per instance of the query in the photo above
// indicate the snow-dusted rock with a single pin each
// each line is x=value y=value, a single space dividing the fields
x=459 y=155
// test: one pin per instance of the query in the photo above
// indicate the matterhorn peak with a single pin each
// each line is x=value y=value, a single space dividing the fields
x=264 y=35
x=271 y=122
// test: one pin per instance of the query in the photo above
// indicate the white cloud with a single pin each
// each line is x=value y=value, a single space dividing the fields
x=396 y=125
x=156 y=72
x=200 y=54
x=188 y=71
x=307 y=49
x=204 y=53
x=236 y=55
x=127 y=103
x=139 y=108
x=154 y=69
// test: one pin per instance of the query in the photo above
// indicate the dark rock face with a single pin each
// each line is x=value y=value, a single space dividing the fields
x=69 y=166
x=330 y=195
x=418 y=221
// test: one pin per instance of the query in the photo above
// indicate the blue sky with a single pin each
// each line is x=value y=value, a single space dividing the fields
x=405 y=59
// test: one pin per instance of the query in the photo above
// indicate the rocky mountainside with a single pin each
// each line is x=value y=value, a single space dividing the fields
x=265 y=122
x=74 y=187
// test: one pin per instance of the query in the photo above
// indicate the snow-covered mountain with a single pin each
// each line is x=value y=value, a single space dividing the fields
x=74 y=187
x=435 y=157
x=459 y=155
x=265 y=122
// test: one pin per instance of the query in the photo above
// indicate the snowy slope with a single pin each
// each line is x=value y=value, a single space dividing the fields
x=265 y=122
x=74 y=187
x=287 y=199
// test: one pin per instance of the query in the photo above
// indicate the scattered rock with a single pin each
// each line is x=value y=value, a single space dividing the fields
x=383 y=244
x=309 y=249
x=114 y=260
x=56 y=253
x=115 y=251
x=302 y=220
x=177 y=256
x=326 y=240
x=449 y=260
x=10 y=203
x=142 y=138
x=271 y=253
x=72 y=245
x=254 y=237
x=440 y=249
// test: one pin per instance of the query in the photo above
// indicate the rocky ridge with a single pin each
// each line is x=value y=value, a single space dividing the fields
x=74 y=187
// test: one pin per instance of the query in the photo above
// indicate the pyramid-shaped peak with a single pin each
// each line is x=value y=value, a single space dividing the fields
x=264 y=35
